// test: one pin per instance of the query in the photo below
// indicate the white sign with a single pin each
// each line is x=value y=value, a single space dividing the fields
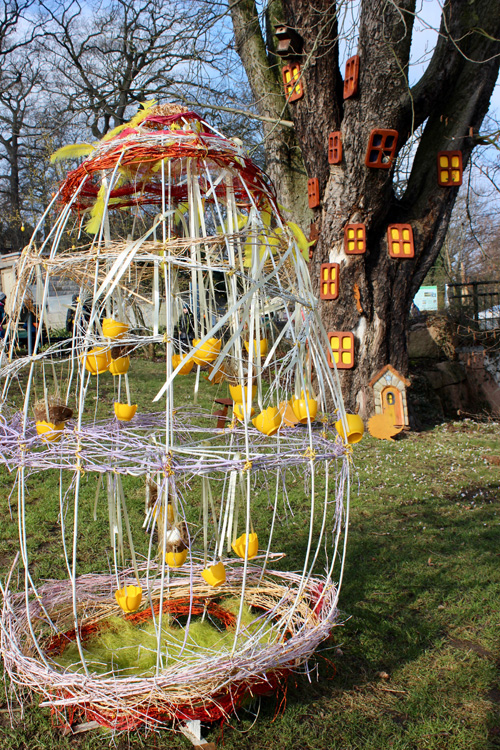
x=426 y=298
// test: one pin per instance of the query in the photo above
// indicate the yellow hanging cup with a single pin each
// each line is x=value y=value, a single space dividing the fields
x=129 y=598
x=125 y=412
x=186 y=367
x=215 y=575
x=240 y=393
x=239 y=545
x=96 y=360
x=355 y=428
x=302 y=404
x=113 y=329
x=268 y=421
x=208 y=352
x=261 y=348
x=239 y=411
x=219 y=376
x=176 y=559
x=119 y=366
x=50 y=432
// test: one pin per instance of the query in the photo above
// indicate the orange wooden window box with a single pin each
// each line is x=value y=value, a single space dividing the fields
x=400 y=241
x=341 y=349
x=329 y=276
x=450 y=168
x=335 y=147
x=354 y=239
x=292 y=82
x=381 y=148
x=313 y=192
x=351 y=77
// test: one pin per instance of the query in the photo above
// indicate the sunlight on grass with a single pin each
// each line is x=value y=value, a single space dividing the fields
x=414 y=666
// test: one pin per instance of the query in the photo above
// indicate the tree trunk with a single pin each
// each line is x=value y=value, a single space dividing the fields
x=448 y=104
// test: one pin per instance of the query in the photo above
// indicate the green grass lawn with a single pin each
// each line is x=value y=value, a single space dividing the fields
x=415 y=665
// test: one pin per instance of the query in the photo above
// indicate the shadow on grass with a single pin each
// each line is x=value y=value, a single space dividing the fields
x=414 y=574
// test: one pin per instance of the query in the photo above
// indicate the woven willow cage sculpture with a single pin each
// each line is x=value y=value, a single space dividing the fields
x=165 y=221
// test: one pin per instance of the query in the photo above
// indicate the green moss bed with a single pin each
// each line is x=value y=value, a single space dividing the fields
x=123 y=648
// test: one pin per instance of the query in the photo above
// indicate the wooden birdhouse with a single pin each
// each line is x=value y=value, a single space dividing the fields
x=341 y=349
x=400 y=241
x=450 y=168
x=335 y=147
x=351 y=78
x=381 y=148
x=290 y=42
x=390 y=395
x=329 y=286
x=292 y=82
x=313 y=192
x=354 y=239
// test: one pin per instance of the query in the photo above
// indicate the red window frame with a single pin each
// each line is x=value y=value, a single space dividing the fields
x=329 y=281
x=292 y=82
x=351 y=78
x=400 y=241
x=343 y=349
x=335 y=147
x=381 y=148
x=357 y=240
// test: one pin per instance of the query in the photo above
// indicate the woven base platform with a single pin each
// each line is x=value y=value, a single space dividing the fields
x=205 y=685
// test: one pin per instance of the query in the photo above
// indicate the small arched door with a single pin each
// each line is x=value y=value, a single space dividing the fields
x=392 y=404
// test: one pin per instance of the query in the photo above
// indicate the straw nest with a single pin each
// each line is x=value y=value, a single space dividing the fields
x=300 y=614
x=53 y=409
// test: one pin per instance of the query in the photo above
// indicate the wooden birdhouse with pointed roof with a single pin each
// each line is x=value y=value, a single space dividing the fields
x=390 y=395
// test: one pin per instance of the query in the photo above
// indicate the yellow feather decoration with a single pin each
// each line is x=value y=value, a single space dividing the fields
x=96 y=212
x=302 y=242
x=72 y=151
x=136 y=120
x=267 y=242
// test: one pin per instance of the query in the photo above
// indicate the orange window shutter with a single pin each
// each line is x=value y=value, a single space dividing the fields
x=354 y=239
x=351 y=78
x=400 y=241
x=335 y=147
x=381 y=148
x=313 y=192
x=329 y=276
x=450 y=169
x=292 y=82
x=341 y=349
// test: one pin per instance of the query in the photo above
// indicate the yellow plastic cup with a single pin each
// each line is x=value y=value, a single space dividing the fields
x=300 y=405
x=129 y=598
x=97 y=360
x=268 y=421
x=113 y=329
x=355 y=428
x=262 y=348
x=239 y=545
x=119 y=366
x=125 y=412
x=186 y=367
x=176 y=559
x=215 y=575
x=50 y=432
x=208 y=352
x=237 y=392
